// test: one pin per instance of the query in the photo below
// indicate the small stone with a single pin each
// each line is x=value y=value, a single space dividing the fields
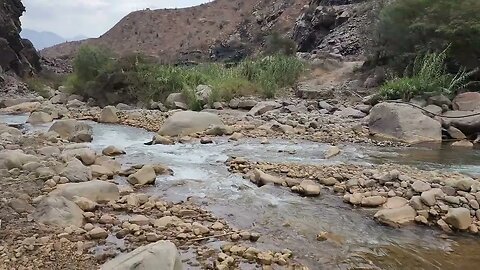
x=420 y=186
x=421 y=219
x=373 y=201
x=97 y=233
x=217 y=226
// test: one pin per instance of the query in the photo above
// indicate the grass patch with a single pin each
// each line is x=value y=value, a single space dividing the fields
x=135 y=78
x=428 y=76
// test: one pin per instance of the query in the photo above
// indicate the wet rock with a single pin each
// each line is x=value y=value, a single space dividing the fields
x=309 y=188
x=396 y=216
x=113 y=151
x=188 y=122
x=97 y=191
x=219 y=131
x=468 y=101
x=146 y=175
x=162 y=169
x=261 y=178
x=404 y=123
x=263 y=107
x=39 y=118
x=332 y=151
x=162 y=255
x=443 y=225
x=420 y=186
x=373 y=201
x=75 y=171
x=459 y=218
x=463 y=143
x=236 y=136
x=58 y=211
x=159 y=139
x=206 y=140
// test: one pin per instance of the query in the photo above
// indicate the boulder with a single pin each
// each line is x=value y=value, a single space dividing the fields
x=159 y=139
x=96 y=190
x=109 y=115
x=433 y=109
x=420 y=186
x=58 y=211
x=113 y=151
x=396 y=216
x=395 y=202
x=10 y=159
x=97 y=233
x=39 y=118
x=430 y=197
x=174 y=97
x=404 y=123
x=109 y=163
x=439 y=100
x=350 y=113
x=468 y=101
x=86 y=155
x=455 y=133
x=261 y=178
x=463 y=143
x=373 y=201
x=26 y=107
x=99 y=171
x=162 y=255
x=146 y=175
x=326 y=106
x=189 y=122
x=332 y=151
x=459 y=218
x=75 y=171
x=84 y=203
x=202 y=93
x=463 y=121
x=263 y=107
x=310 y=188
x=73 y=130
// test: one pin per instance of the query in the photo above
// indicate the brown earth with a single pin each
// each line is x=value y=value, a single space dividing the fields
x=169 y=33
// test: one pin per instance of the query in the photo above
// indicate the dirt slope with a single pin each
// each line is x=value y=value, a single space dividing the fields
x=171 y=33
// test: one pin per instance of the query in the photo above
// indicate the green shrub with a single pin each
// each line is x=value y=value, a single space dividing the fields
x=38 y=86
x=276 y=44
x=407 y=28
x=429 y=76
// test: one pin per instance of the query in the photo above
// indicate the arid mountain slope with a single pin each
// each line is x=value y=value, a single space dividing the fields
x=170 y=33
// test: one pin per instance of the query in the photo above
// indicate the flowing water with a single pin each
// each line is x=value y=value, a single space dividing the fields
x=287 y=220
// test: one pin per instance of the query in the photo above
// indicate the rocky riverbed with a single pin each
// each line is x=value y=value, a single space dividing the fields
x=78 y=189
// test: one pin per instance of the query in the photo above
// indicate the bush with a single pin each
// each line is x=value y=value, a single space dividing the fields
x=429 y=76
x=407 y=28
x=136 y=78
x=276 y=44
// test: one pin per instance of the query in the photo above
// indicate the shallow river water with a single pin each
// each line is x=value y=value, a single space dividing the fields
x=287 y=220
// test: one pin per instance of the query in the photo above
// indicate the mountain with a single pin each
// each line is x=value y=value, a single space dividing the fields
x=228 y=28
x=46 y=39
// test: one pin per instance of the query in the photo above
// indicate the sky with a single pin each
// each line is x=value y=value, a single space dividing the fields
x=90 y=18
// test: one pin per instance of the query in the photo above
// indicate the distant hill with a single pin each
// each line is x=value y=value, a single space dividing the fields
x=46 y=39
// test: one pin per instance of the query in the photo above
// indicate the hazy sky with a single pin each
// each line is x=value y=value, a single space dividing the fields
x=91 y=18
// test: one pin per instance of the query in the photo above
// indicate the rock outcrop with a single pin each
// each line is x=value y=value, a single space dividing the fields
x=17 y=54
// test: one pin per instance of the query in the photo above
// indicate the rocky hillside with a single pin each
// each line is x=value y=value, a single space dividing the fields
x=223 y=27
x=17 y=54
x=226 y=29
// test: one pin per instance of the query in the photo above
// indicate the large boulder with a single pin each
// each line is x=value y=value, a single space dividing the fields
x=263 y=107
x=10 y=159
x=26 y=107
x=396 y=216
x=109 y=115
x=162 y=255
x=175 y=98
x=459 y=218
x=73 y=130
x=75 y=171
x=469 y=101
x=261 y=178
x=39 y=118
x=189 y=122
x=86 y=155
x=463 y=121
x=96 y=190
x=58 y=211
x=403 y=123
x=145 y=175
